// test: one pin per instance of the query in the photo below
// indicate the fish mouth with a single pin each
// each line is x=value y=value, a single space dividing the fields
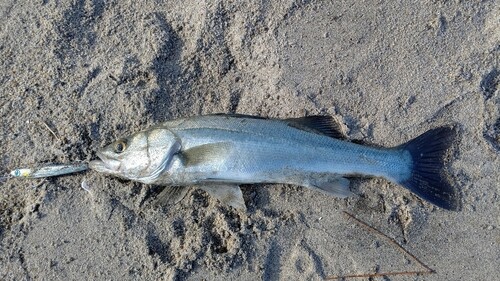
x=104 y=164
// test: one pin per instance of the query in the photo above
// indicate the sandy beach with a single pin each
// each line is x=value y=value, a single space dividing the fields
x=77 y=75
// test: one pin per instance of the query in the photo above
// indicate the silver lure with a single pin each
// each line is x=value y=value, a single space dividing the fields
x=219 y=152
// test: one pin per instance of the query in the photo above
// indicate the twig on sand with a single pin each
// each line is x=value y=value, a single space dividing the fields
x=50 y=130
x=427 y=270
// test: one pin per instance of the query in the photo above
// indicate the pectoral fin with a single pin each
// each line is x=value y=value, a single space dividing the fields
x=206 y=153
x=337 y=186
x=226 y=193
x=171 y=195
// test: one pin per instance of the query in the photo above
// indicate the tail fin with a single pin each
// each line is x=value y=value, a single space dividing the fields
x=428 y=179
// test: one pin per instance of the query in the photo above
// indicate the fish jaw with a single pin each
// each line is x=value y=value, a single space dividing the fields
x=105 y=165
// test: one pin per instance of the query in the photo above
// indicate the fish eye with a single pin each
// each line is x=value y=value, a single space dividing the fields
x=120 y=146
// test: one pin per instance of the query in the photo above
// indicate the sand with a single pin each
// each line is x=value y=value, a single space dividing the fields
x=93 y=71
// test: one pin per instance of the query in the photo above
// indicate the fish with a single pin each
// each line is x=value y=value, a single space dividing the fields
x=217 y=153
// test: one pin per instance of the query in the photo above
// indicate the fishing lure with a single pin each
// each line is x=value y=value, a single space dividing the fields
x=50 y=170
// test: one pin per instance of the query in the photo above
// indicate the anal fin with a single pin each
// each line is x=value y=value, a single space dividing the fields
x=229 y=194
x=337 y=186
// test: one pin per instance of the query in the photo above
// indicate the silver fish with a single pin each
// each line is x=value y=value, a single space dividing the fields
x=217 y=153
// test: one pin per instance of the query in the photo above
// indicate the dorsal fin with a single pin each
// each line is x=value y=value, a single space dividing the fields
x=237 y=115
x=325 y=125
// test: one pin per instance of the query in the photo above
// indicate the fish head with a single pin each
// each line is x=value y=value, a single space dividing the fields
x=142 y=156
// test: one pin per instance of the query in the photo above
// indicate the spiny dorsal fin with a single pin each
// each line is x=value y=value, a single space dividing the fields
x=205 y=153
x=325 y=125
